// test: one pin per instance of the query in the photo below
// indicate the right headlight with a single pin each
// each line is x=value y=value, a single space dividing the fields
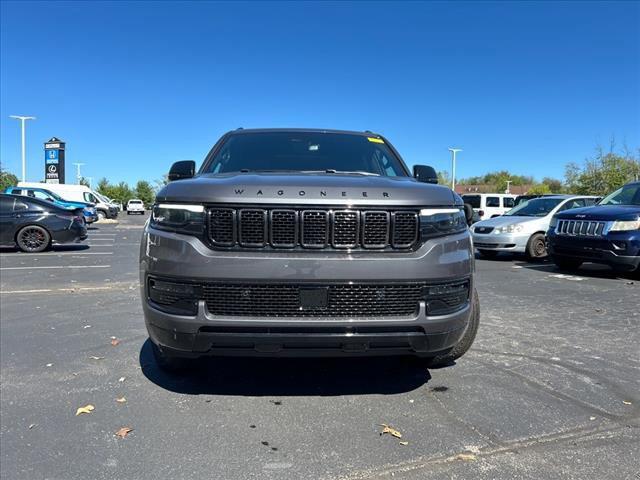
x=625 y=225
x=175 y=217
x=435 y=222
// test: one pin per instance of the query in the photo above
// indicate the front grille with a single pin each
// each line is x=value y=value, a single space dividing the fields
x=483 y=230
x=580 y=228
x=340 y=300
x=312 y=228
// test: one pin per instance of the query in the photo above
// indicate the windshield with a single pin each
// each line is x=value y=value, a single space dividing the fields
x=537 y=207
x=305 y=152
x=54 y=195
x=627 y=195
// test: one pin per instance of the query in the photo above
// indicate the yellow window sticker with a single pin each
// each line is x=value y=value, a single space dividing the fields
x=375 y=140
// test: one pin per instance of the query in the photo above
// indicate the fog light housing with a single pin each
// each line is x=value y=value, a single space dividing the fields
x=173 y=297
x=445 y=298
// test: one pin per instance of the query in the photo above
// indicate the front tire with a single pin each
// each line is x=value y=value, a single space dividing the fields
x=101 y=215
x=168 y=362
x=566 y=263
x=537 y=247
x=33 y=239
x=460 y=348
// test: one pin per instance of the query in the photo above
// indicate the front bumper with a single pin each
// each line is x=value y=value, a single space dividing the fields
x=605 y=249
x=183 y=257
x=501 y=242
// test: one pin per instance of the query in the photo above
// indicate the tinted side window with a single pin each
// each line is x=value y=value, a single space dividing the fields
x=89 y=197
x=6 y=205
x=473 y=200
x=493 y=201
x=508 y=202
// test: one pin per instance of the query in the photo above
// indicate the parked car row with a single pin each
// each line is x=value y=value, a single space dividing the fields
x=571 y=229
x=33 y=224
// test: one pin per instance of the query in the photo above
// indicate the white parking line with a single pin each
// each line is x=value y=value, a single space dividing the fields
x=45 y=290
x=56 y=266
x=51 y=254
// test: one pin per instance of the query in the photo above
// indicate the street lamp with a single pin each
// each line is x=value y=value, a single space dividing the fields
x=22 y=119
x=78 y=176
x=453 y=167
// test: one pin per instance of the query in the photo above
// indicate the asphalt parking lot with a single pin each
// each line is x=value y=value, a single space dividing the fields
x=550 y=389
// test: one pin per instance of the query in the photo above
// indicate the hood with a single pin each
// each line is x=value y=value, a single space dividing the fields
x=508 y=220
x=602 y=212
x=306 y=189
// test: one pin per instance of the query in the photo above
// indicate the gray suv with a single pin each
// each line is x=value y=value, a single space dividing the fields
x=291 y=242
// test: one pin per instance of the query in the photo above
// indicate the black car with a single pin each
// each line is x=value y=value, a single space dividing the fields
x=33 y=225
x=607 y=233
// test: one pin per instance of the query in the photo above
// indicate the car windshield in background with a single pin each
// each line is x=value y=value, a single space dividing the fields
x=306 y=152
x=473 y=200
x=536 y=207
x=627 y=195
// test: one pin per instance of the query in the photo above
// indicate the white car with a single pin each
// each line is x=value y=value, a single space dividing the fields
x=135 y=206
x=522 y=229
x=489 y=205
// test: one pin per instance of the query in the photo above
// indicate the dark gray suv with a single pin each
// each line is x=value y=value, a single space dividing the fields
x=292 y=242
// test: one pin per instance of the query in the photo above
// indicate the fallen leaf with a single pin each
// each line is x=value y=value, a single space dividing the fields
x=87 y=326
x=123 y=432
x=467 y=457
x=121 y=400
x=114 y=342
x=626 y=402
x=403 y=443
x=85 y=409
x=390 y=430
x=93 y=357
x=121 y=379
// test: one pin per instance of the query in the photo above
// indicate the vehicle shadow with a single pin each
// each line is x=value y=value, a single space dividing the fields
x=587 y=270
x=247 y=376
x=53 y=249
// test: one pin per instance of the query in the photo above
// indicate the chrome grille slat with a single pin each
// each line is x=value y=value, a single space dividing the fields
x=317 y=228
x=580 y=228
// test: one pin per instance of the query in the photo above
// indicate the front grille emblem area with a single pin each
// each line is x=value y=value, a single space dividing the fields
x=340 y=229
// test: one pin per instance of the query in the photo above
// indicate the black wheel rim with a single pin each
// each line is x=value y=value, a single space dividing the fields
x=32 y=238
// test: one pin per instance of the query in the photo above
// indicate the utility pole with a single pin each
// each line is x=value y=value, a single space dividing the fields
x=508 y=190
x=453 y=167
x=89 y=179
x=78 y=176
x=22 y=119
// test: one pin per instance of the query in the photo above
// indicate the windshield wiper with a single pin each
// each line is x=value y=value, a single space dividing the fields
x=352 y=172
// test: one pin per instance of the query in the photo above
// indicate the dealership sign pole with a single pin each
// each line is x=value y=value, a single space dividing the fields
x=54 y=160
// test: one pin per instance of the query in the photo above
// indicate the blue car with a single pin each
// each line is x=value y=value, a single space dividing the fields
x=607 y=233
x=88 y=209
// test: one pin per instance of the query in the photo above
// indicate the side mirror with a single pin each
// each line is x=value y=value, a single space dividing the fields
x=425 y=174
x=182 y=169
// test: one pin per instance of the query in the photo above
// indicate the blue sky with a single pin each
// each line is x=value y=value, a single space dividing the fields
x=132 y=87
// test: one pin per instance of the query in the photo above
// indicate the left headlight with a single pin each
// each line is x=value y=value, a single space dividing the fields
x=175 y=217
x=625 y=225
x=513 y=228
x=435 y=222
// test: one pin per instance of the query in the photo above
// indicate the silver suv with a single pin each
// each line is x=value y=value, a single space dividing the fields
x=307 y=242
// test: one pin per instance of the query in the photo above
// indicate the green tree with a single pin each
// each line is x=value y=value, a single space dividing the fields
x=7 y=179
x=602 y=173
x=444 y=178
x=539 y=189
x=145 y=192
x=85 y=182
x=555 y=185
x=498 y=180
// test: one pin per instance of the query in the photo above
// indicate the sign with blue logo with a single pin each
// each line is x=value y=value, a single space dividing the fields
x=51 y=156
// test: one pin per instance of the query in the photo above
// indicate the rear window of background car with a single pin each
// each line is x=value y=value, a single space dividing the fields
x=473 y=200
x=508 y=202
x=493 y=201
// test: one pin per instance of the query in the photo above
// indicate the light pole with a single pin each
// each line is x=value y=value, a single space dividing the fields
x=78 y=176
x=453 y=167
x=89 y=179
x=22 y=119
x=508 y=190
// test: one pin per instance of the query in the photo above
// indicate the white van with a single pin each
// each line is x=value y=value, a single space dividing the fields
x=78 y=193
x=489 y=205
